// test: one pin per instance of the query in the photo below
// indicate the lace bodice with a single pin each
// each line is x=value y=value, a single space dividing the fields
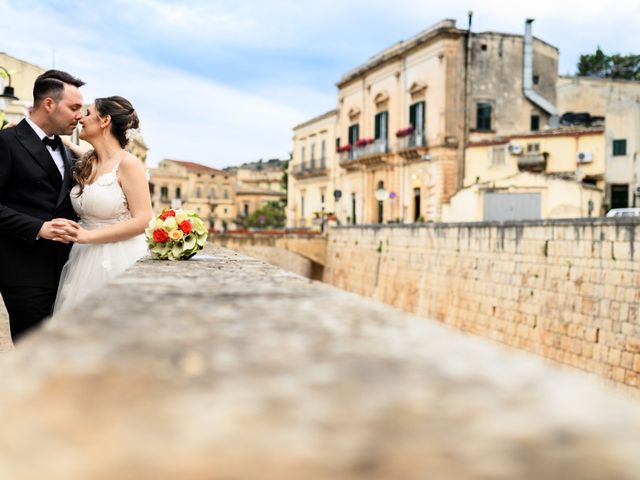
x=101 y=203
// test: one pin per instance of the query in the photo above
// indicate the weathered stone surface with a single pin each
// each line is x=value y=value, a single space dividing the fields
x=223 y=367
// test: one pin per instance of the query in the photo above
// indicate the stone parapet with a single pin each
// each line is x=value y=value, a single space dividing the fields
x=223 y=367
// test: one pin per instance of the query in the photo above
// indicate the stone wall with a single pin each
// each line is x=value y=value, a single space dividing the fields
x=567 y=290
x=223 y=367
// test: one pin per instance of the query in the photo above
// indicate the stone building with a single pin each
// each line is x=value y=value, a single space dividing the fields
x=257 y=184
x=23 y=76
x=404 y=117
x=555 y=173
x=314 y=174
x=192 y=186
x=618 y=101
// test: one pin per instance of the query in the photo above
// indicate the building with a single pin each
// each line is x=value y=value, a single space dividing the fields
x=192 y=186
x=314 y=172
x=618 y=101
x=257 y=183
x=404 y=117
x=23 y=76
x=555 y=173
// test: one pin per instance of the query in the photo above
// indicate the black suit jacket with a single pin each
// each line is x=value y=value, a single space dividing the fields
x=31 y=192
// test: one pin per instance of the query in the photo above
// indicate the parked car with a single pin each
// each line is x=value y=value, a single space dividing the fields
x=624 y=212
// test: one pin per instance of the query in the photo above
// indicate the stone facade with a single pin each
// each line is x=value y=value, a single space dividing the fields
x=556 y=173
x=619 y=102
x=23 y=76
x=192 y=186
x=566 y=290
x=313 y=171
x=404 y=117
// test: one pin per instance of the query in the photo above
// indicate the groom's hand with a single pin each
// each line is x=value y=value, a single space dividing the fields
x=60 y=230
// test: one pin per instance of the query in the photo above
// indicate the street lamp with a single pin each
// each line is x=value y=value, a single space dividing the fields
x=381 y=195
x=8 y=93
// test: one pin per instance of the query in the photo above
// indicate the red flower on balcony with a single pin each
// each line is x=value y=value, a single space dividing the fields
x=344 y=148
x=403 y=132
x=363 y=142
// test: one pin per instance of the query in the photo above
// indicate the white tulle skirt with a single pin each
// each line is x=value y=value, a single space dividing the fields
x=90 y=266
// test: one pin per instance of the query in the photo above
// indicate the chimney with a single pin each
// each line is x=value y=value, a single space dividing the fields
x=527 y=77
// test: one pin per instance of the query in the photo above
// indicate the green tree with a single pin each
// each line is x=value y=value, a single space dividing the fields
x=270 y=215
x=600 y=65
x=284 y=181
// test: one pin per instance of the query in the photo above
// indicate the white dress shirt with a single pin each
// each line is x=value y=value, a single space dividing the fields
x=55 y=154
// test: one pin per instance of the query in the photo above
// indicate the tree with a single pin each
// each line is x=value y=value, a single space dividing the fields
x=284 y=181
x=600 y=65
x=270 y=215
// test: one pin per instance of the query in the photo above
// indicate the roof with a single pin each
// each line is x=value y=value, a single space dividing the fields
x=241 y=190
x=196 y=167
x=446 y=26
x=572 y=131
x=317 y=118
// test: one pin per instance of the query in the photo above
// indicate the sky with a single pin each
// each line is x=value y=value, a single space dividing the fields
x=223 y=82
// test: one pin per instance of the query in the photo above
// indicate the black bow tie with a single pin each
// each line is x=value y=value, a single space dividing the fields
x=54 y=142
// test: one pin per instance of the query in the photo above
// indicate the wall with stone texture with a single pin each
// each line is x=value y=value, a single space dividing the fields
x=223 y=367
x=568 y=290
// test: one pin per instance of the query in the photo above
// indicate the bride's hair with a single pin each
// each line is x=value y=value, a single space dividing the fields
x=123 y=118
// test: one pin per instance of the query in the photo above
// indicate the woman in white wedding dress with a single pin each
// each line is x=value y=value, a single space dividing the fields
x=111 y=197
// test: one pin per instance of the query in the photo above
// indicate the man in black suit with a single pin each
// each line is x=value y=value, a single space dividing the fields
x=35 y=208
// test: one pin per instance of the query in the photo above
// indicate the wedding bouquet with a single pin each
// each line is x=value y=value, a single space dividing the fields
x=176 y=235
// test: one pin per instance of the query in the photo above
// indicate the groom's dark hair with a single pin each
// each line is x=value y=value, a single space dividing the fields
x=51 y=84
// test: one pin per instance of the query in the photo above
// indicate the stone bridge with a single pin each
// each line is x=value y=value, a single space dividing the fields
x=223 y=367
x=305 y=255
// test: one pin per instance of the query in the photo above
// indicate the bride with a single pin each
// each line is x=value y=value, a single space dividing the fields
x=111 y=197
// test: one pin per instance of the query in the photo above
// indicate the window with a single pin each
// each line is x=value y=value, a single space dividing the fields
x=620 y=147
x=535 y=123
x=533 y=147
x=246 y=209
x=178 y=192
x=381 y=125
x=226 y=193
x=164 y=193
x=198 y=192
x=313 y=156
x=483 y=116
x=354 y=133
x=416 y=116
x=337 y=143
x=497 y=155
x=302 y=205
x=323 y=153
x=536 y=79
x=302 y=157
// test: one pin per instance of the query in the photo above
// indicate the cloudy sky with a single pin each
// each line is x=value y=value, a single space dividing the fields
x=222 y=82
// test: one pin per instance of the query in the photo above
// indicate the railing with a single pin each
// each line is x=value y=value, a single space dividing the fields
x=413 y=140
x=376 y=148
x=304 y=170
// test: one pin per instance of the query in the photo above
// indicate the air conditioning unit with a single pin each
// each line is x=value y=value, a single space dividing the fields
x=514 y=148
x=584 y=157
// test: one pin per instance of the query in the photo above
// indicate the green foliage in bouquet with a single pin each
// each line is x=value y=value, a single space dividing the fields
x=176 y=235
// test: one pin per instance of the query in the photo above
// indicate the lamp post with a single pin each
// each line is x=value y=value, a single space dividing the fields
x=8 y=93
x=7 y=96
x=381 y=195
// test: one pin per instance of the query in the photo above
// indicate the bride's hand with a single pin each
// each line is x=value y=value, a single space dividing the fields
x=84 y=236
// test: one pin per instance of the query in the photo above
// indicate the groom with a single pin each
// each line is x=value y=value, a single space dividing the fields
x=35 y=179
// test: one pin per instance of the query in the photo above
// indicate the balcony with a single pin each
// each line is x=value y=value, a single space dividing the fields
x=413 y=146
x=377 y=151
x=533 y=162
x=302 y=171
